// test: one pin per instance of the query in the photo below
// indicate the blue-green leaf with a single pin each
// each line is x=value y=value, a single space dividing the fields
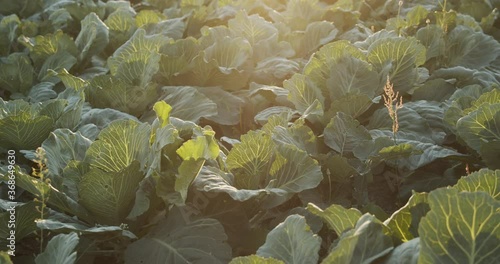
x=343 y=133
x=364 y=243
x=178 y=241
x=118 y=145
x=484 y=180
x=61 y=249
x=292 y=241
x=108 y=195
x=461 y=227
x=93 y=36
x=337 y=217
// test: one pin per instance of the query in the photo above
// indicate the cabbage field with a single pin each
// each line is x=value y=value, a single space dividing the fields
x=247 y=132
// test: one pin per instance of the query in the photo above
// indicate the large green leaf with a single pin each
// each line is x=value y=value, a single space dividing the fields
x=24 y=131
x=433 y=114
x=466 y=48
x=5 y=257
x=252 y=27
x=404 y=222
x=434 y=90
x=93 y=36
x=121 y=24
x=275 y=116
x=462 y=227
x=491 y=97
x=108 y=195
x=101 y=118
x=229 y=53
x=89 y=131
x=424 y=153
x=106 y=91
x=56 y=62
x=416 y=15
x=352 y=104
x=319 y=66
x=477 y=9
x=293 y=171
x=160 y=139
x=61 y=249
x=138 y=68
x=73 y=101
x=58 y=226
x=350 y=75
x=69 y=80
x=228 y=105
x=481 y=126
x=188 y=171
x=261 y=34
x=363 y=244
x=138 y=59
x=178 y=241
x=337 y=217
x=298 y=14
x=23 y=8
x=70 y=177
x=194 y=153
x=274 y=70
x=407 y=253
x=162 y=111
x=339 y=168
x=60 y=18
x=121 y=17
x=208 y=73
x=56 y=197
x=409 y=153
x=402 y=55
x=200 y=147
x=176 y=58
x=404 y=150
x=42 y=47
x=433 y=38
x=263 y=169
x=212 y=179
x=61 y=147
x=298 y=135
x=145 y=17
x=8 y=32
x=188 y=103
x=22 y=125
x=79 y=10
x=16 y=73
x=249 y=160
x=170 y=28
x=255 y=259
x=484 y=180
x=461 y=99
x=42 y=92
x=344 y=133
x=303 y=92
x=118 y=145
x=24 y=217
x=292 y=241
x=315 y=35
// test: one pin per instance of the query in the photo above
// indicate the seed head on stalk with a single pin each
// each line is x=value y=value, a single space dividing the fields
x=392 y=102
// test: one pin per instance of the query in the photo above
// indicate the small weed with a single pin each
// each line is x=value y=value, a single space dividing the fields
x=40 y=172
